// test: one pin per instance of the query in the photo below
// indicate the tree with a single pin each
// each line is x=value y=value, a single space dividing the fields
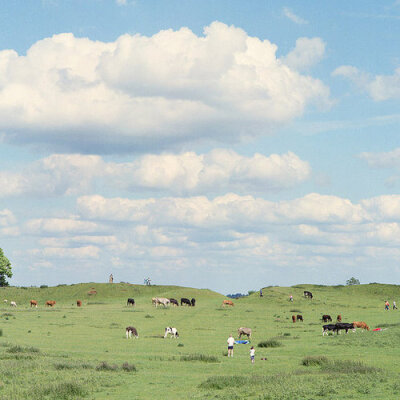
x=352 y=281
x=5 y=269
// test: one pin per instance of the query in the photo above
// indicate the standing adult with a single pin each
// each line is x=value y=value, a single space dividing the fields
x=231 y=342
x=261 y=295
x=394 y=305
x=111 y=279
x=387 y=305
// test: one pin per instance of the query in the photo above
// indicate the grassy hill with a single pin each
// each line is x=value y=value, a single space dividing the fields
x=67 y=352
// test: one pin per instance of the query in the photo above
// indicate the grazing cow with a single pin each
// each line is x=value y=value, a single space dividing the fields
x=50 y=303
x=308 y=294
x=361 y=324
x=162 y=301
x=326 y=318
x=33 y=303
x=130 y=302
x=244 y=331
x=345 y=326
x=172 y=331
x=174 y=302
x=13 y=304
x=293 y=318
x=186 y=301
x=327 y=328
x=193 y=302
x=153 y=301
x=91 y=292
x=5 y=300
x=131 y=331
x=299 y=317
x=227 y=303
x=339 y=318
x=79 y=303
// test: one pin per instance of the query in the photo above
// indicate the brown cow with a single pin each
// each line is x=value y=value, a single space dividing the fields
x=361 y=324
x=33 y=303
x=339 y=318
x=91 y=292
x=79 y=303
x=50 y=303
x=227 y=303
x=293 y=318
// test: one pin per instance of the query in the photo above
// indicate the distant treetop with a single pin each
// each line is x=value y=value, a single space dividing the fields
x=352 y=281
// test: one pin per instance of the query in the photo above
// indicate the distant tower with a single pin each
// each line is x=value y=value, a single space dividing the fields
x=111 y=279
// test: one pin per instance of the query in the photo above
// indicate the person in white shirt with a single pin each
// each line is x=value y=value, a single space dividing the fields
x=252 y=354
x=231 y=342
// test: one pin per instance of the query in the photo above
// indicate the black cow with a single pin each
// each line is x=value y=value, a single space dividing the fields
x=130 y=302
x=308 y=294
x=327 y=328
x=174 y=302
x=193 y=302
x=345 y=326
x=185 y=301
x=326 y=318
x=299 y=318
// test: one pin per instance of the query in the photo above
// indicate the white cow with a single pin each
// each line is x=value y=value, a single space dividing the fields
x=131 y=331
x=161 y=300
x=13 y=304
x=5 y=300
x=174 y=333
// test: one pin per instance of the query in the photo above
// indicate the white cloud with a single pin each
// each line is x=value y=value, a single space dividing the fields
x=293 y=17
x=60 y=226
x=379 y=87
x=308 y=52
x=86 y=252
x=170 y=88
x=389 y=159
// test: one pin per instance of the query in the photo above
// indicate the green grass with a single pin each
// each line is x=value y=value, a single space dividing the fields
x=68 y=352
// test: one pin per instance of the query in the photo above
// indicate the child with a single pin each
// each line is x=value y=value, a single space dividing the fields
x=252 y=354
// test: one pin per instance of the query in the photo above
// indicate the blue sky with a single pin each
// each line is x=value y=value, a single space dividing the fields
x=228 y=145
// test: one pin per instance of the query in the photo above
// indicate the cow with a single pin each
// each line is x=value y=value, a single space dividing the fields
x=91 y=292
x=361 y=324
x=130 y=302
x=293 y=318
x=172 y=331
x=174 y=302
x=162 y=301
x=339 y=318
x=33 y=303
x=13 y=304
x=5 y=300
x=50 y=303
x=244 y=331
x=186 y=301
x=299 y=317
x=327 y=328
x=308 y=294
x=227 y=303
x=131 y=331
x=344 y=326
x=153 y=301
x=79 y=303
x=326 y=318
x=193 y=302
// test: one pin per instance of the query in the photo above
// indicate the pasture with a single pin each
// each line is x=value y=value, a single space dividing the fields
x=70 y=352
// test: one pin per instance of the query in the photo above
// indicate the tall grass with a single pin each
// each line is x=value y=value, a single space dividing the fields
x=270 y=343
x=199 y=357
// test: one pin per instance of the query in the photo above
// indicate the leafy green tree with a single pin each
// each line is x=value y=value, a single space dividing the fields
x=352 y=281
x=5 y=269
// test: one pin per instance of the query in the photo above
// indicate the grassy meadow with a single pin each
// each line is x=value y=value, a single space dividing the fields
x=67 y=352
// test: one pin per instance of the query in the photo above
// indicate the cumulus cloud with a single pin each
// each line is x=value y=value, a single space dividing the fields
x=287 y=12
x=308 y=52
x=60 y=226
x=217 y=171
x=389 y=159
x=379 y=87
x=171 y=88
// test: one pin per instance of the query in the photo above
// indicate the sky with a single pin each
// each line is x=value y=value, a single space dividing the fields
x=228 y=145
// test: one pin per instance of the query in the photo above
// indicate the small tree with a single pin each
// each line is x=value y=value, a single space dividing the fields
x=352 y=281
x=5 y=269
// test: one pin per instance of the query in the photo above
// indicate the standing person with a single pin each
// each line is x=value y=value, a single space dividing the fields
x=252 y=354
x=111 y=279
x=231 y=342
x=291 y=298
x=261 y=295
x=387 y=305
x=394 y=305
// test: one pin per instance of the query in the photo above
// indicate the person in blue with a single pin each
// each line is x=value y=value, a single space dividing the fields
x=261 y=295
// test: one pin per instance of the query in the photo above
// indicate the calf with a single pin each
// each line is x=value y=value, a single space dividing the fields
x=339 y=318
x=186 y=301
x=13 y=304
x=131 y=331
x=33 y=303
x=79 y=303
x=172 y=331
x=326 y=318
x=130 y=302
x=327 y=328
x=174 y=302
x=299 y=317
x=50 y=303
x=293 y=318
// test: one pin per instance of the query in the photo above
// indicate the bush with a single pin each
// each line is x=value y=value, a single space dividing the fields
x=180 y=345
x=222 y=382
x=348 y=367
x=21 y=349
x=270 y=343
x=43 y=286
x=104 y=366
x=199 y=357
x=314 y=360
x=64 y=390
x=148 y=316
x=128 y=367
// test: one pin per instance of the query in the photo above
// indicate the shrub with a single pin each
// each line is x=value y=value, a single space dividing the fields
x=180 y=345
x=64 y=390
x=128 y=367
x=348 y=367
x=148 y=316
x=43 y=286
x=222 y=382
x=270 y=343
x=104 y=366
x=21 y=349
x=314 y=360
x=199 y=357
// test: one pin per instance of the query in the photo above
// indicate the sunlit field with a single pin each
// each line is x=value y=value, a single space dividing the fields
x=66 y=352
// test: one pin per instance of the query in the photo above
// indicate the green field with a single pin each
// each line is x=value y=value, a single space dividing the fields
x=67 y=352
